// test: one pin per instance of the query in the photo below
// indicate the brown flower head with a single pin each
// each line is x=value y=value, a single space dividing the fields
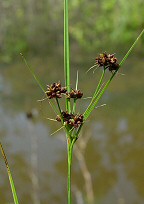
x=55 y=90
x=76 y=94
x=101 y=60
x=71 y=120
x=108 y=61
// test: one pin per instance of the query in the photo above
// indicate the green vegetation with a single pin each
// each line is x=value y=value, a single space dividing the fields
x=35 y=27
x=71 y=121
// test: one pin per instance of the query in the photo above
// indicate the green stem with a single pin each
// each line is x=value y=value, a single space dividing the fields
x=69 y=173
x=70 y=153
x=88 y=112
x=131 y=48
x=32 y=72
x=99 y=85
x=95 y=93
x=66 y=53
x=74 y=106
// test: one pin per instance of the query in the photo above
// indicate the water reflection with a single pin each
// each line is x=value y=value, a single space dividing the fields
x=31 y=141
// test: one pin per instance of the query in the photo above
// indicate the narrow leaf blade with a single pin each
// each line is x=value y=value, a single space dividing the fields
x=13 y=189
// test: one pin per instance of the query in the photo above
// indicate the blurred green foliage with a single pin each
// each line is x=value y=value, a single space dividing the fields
x=36 y=27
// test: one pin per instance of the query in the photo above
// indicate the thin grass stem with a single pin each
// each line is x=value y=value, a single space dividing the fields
x=70 y=154
x=69 y=172
x=74 y=106
x=95 y=93
x=58 y=105
x=131 y=48
x=99 y=85
x=13 y=189
x=66 y=53
x=32 y=72
x=93 y=105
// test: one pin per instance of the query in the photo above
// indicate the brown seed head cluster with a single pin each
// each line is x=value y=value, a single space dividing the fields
x=55 y=90
x=71 y=119
x=76 y=94
x=108 y=61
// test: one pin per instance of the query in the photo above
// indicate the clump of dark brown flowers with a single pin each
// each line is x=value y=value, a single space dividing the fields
x=55 y=90
x=71 y=120
x=76 y=94
x=108 y=61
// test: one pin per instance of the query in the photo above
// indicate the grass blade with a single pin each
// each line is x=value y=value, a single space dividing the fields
x=32 y=72
x=131 y=48
x=9 y=175
x=38 y=81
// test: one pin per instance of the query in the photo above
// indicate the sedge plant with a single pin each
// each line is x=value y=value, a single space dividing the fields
x=71 y=121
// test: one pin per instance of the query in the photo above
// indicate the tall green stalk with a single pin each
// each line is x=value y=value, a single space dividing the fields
x=66 y=53
x=67 y=83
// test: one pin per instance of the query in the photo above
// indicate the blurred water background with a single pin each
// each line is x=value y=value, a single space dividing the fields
x=110 y=151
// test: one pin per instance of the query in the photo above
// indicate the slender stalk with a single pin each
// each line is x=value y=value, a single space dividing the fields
x=66 y=53
x=69 y=172
x=37 y=80
x=74 y=106
x=96 y=92
x=32 y=72
x=13 y=189
x=99 y=85
x=131 y=48
x=70 y=153
x=67 y=83
x=58 y=105
x=88 y=112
